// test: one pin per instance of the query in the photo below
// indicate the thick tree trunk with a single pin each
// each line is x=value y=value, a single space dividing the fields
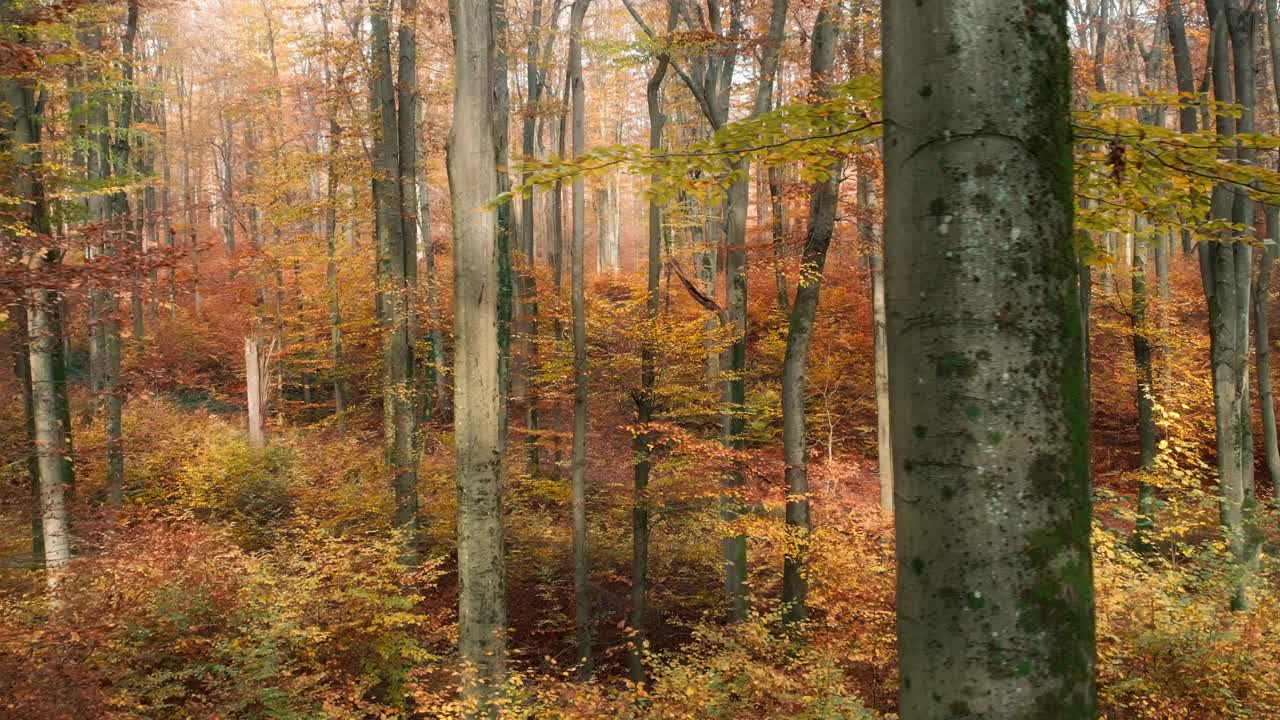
x=581 y=567
x=823 y=199
x=482 y=607
x=987 y=379
x=1226 y=271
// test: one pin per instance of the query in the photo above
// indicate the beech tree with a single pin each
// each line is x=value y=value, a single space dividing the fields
x=995 y=594
x=473 y=184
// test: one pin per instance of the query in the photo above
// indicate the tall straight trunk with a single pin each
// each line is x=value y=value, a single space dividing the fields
x=482 y=606
x=535 y=83
x=1263 y=286
x=394 y=266
x=867 y=212
x=52 y=446
x=642 y=442
x=884 y=429
x=734 y=395
x=986 y=365
x=227 y=178
x=406 y=274
x=1145 y=392
x=581 y=567
x=19 y=138
x=1226 y=272
x=331 y=237
x=501 y=140
x=49 y=421
x=1262 y=345
x=823 y=199
x=188 y=189
x=120 y=228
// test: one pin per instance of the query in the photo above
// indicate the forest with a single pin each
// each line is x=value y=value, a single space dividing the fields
x=639 y=359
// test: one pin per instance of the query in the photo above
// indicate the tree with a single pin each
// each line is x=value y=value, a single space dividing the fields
x=824 y=197
x=581 y=566
x=643 y=440
x=1226 y=273
x=395 y=198
x=473 y=184
x=995 y=595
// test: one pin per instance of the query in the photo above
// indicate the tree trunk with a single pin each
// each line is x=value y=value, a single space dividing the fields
x=1262 y=345
x=644 y=438
x=1225 y=268
x=396 y=229
x=581 y=567
x=331 y=239
x=986 y=375
x=482 y=609
x=255 y=391
x=823 y=199
x=1145 y=394
x=120 y=224
x=884 y=429
x=535 y=81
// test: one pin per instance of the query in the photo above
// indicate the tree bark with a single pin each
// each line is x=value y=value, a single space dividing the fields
x=1262 y=345
x=397 y=257
x=581 y=566
x=473 y=183
x=823 y=199
x=1225 y=268
x=644 y=438
x=986 y=364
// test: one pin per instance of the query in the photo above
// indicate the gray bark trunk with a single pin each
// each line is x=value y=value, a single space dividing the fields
x=824 y=197
x=473 y=183
x=995 y=596
x=643 y=441
x=581 y=567
x=1225 y=269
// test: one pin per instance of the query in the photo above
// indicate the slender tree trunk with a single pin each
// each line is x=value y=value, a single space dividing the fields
x=1185 y=78
x=1145 y=393
x=501 y=141
x=823 y=199
x=535 y=82
x=1262 y=345
x=581 y=566
x=884 y=429
x=331 y=239
x=396 y=221
x=1263 y=285
x=644 y=438
x=989 y=417
x=482 y=608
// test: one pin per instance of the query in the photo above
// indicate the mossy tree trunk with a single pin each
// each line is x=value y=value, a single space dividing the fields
x=995 y=592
